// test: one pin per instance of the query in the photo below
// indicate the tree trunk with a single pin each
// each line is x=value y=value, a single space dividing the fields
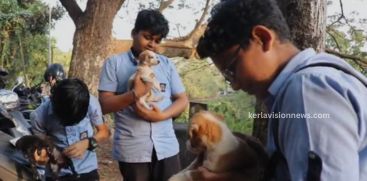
x=307 y=22
x=92 y=38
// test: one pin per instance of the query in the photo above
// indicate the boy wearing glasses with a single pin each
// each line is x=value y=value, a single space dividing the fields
x=145 y=143
x=255 y=54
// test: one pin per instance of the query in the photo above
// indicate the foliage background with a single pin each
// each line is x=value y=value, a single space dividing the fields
x=23 y=38
x=204 y=84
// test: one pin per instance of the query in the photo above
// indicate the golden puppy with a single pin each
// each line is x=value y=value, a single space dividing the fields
x=220 y=151
x=147 y=59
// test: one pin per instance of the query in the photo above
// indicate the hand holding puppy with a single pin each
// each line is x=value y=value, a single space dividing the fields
x=77 y=150
x=141 y=87
x=152 y=115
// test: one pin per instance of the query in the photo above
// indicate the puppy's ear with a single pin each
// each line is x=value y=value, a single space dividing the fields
x=214 y=132
x=143 y=58
x=193 y=131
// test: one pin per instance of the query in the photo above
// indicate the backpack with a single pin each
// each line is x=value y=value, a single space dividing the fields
x=277 y=158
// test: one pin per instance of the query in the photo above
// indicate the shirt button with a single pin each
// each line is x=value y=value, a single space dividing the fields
x=311 y=155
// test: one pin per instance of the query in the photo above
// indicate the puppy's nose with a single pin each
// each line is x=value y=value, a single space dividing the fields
x=158 y=61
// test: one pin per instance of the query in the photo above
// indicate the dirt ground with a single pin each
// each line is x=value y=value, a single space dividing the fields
x=108 y=168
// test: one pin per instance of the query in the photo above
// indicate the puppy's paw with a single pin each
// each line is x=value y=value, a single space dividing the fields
x=146 y=79
x=180 y=177
x=145 y=104
x=157 y=98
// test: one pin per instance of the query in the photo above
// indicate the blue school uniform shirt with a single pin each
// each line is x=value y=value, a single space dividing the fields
x=332 y=108
x=134 y=138
x=45 y=122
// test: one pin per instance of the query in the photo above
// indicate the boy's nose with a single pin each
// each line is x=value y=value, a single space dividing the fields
x=152 y=45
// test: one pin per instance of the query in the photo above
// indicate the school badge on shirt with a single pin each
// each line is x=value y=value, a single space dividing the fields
x=83 y=135
x=163 y=87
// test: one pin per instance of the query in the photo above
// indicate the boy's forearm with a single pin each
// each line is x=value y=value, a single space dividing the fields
x=113 y=103
x=102 y=134
x=178 y=106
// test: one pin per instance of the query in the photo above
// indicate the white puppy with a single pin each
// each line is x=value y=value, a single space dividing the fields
x=147 y=59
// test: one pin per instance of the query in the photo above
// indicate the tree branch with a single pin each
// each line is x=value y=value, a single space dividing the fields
x=73 y=9
x=356 y=59
x=205 y=12
x=341 y=8
x=164 y=4
x=197 y=25
x=334 y=39
x=341 y=15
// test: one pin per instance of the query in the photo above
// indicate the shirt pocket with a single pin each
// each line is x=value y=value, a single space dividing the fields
x=85 y=129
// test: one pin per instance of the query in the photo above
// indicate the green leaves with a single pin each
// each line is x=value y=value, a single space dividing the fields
x=236 y=108
x=205 y=84
x=23 y=37
x=347 y=36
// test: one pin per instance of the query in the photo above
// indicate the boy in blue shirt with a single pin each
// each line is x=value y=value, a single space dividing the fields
x=317 y=101
x=68 y=119
x=145 y=143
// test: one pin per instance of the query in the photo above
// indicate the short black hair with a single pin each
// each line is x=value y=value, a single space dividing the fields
x=232 y=21
x=70 y=101
x=152 y=21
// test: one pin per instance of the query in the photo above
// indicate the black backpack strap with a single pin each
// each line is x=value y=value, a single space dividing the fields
x=277 y=157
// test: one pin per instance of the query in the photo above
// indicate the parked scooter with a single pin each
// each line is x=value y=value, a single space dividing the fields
x=12 y=126
x=29 y=97
x=17 y=104
x=12 y=120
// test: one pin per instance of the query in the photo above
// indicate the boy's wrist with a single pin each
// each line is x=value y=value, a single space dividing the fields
x=163 y=116
x=92 y=144
x=134 y=94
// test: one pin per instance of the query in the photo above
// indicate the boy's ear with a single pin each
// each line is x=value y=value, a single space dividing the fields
x=263 y=36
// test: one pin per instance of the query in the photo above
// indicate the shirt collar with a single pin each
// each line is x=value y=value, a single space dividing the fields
x=296 y=62
x=132 y=58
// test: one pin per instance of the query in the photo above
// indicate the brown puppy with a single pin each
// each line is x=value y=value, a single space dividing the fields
x=219 y=150
x=31 y=145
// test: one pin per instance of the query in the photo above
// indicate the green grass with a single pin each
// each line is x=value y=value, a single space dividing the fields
x=234 y=107
x=205 y=84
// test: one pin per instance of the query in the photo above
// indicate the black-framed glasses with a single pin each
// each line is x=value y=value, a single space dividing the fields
x=229 y=71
